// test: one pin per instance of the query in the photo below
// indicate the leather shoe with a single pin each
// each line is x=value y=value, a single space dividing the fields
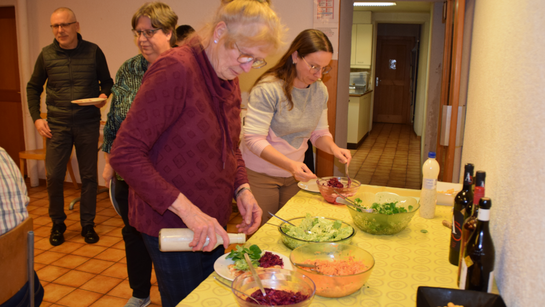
x=57 y=238
x=89 y=233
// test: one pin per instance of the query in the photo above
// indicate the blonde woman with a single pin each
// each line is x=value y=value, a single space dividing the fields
x=177 y=148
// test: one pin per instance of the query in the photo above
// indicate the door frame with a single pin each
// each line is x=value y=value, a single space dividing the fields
x=32 y=139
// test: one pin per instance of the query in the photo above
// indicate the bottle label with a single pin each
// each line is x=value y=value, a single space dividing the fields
x=490 y=282
x=484 y=215
x=468 y=262
x=457 y=221
x=468 y=178
x=463 y=275
x=477 y=195
x=430 y=184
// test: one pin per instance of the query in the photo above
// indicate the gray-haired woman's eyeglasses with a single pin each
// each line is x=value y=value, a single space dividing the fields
x=246 y=58
x=147 y=33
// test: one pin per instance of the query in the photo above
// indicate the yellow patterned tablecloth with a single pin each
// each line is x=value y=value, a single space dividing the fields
x=404 y=261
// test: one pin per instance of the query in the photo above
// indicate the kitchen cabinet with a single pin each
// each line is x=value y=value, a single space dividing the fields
x=359 y=118
x=362 y=43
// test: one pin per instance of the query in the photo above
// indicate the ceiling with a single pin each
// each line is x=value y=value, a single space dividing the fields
x=402 y=6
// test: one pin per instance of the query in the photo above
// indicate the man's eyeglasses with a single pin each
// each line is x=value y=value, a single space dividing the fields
x=62 y=25
x=147 y=33
x=316 y=69
x=246 y=58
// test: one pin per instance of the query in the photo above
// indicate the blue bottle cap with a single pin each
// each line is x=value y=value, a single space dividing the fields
x=431 y=154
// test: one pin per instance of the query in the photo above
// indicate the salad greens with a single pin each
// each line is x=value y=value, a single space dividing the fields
x=254 y=252
x=386 y=208
x=320 y=229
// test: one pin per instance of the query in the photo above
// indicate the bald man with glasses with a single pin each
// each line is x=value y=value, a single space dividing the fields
x=73 y=69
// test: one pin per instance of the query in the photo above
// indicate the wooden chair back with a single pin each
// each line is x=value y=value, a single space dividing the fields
x=14 y=260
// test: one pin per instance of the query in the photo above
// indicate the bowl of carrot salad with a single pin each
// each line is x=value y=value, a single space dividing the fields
x=337 y=269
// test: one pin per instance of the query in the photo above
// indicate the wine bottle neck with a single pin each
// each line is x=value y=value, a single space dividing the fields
x=484 y=215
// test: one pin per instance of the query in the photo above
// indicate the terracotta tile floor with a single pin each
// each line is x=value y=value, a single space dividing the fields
x=79 y=274
x=389 y=156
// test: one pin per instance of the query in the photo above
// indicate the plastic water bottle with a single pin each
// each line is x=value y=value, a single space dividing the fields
x=428 y=195
x=178 y=239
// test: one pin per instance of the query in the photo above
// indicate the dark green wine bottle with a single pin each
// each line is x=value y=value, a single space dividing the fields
x=461 y=201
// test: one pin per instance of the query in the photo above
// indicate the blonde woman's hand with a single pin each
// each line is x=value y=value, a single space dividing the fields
x=250 y=211
x=202 y=224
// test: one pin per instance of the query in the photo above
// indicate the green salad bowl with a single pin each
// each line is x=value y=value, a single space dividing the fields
x=383 y=224
x=293 y=242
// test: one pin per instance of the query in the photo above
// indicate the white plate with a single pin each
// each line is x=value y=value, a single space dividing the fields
x=221 y=266
x=310 y=186
x=88 y=101
x=446 y=192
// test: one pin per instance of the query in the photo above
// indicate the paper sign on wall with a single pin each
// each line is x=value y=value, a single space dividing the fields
x=326 y=19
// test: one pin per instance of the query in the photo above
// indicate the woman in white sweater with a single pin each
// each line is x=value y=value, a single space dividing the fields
x=287 y=107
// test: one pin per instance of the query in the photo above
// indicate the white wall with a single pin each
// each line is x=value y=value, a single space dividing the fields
x=505 y=127
x=108 y=24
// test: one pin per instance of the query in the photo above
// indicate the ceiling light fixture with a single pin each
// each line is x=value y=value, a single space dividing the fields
x=374 y=3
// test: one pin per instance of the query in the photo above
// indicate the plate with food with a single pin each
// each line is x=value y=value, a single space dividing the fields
x=229 y=266
x=310 y=186
x=88 y=101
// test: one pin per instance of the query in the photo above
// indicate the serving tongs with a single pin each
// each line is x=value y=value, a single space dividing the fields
x=345 y=201
x=310 y=266
x=221 y=282
x=287 y=222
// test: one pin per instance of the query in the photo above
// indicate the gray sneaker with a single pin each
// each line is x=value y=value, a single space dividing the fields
x=138 y=302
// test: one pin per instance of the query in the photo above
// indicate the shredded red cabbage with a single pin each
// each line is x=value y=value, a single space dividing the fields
x=277 y=297
x=334 y=182
x=269 y=260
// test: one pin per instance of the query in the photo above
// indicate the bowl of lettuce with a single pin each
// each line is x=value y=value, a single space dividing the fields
x=383 y=213
x=315 y=229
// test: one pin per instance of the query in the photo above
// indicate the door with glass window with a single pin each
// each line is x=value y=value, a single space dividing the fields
x=393 y=80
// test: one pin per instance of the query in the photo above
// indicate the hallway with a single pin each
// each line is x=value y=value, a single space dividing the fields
x=389 y=156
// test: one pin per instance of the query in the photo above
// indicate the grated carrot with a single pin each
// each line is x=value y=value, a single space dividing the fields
x=337 y=267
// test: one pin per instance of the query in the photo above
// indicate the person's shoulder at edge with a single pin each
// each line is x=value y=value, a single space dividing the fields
x=136 y=63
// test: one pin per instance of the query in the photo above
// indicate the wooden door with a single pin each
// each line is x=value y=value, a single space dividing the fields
x=393 y=80
x=11 y=114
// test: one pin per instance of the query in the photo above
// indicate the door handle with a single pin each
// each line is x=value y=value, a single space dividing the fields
x=376 y=82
